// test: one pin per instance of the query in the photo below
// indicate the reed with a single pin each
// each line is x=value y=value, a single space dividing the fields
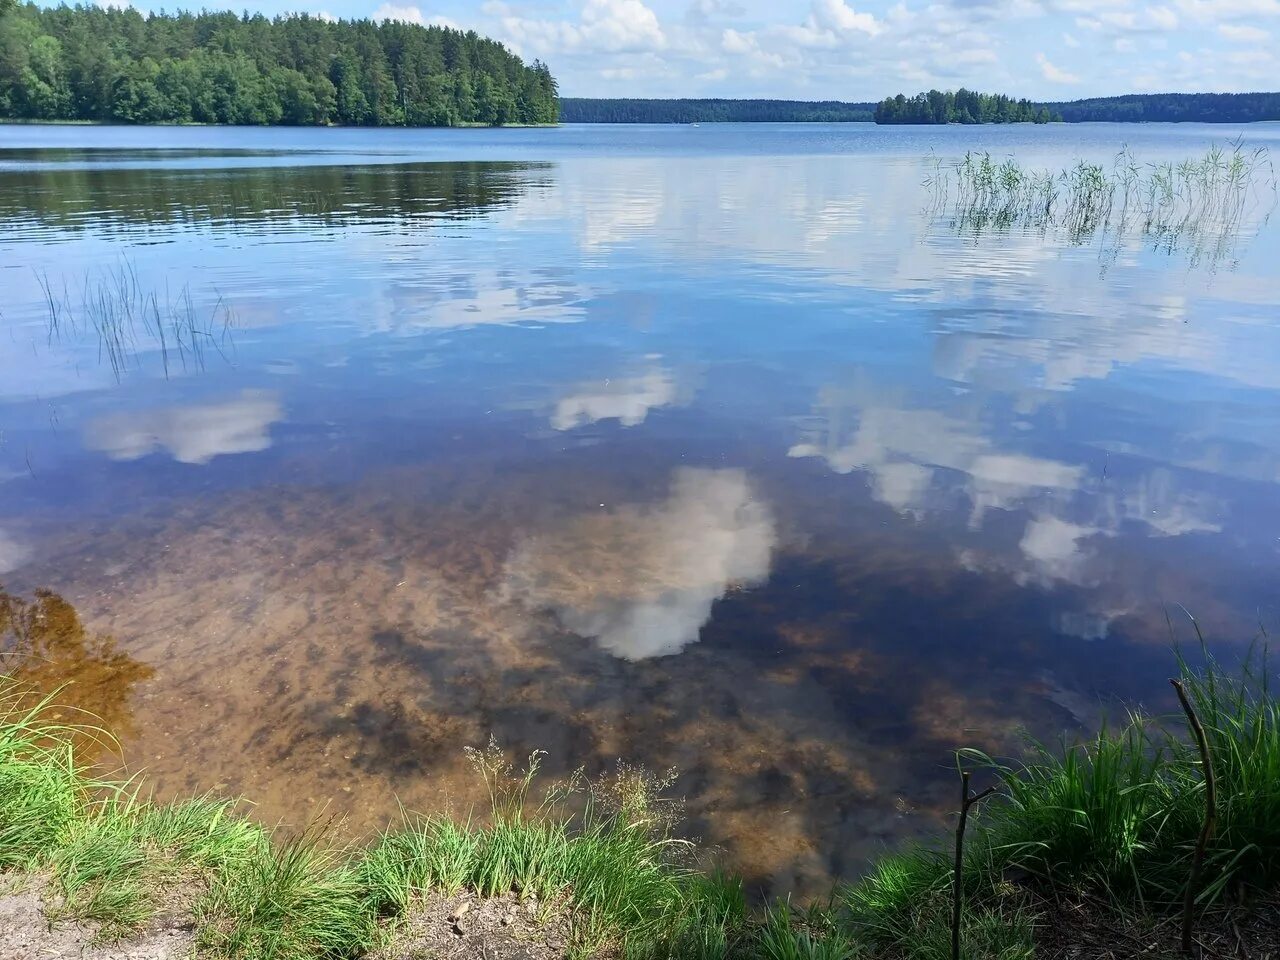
x=130 y=321
x=1201 y=206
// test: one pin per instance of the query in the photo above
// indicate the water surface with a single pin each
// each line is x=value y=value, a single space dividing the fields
x=718 y=448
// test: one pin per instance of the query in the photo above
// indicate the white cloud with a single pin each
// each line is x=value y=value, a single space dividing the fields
x=700 y=11
x=625 y=399
x=855 y=50
x=407 y=14
x=194 y=434
x=642 y=579
x=604 y=26
x=1238 y=33
x=326 y=16
x=839 y=17
x=113 y=4
x=1054 y=74
x=732 y=41
x=1215 y=10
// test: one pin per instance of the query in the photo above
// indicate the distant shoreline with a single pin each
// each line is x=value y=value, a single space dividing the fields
x=1127 y=108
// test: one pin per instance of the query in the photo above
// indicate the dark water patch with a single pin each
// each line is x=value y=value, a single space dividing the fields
x=51 y=203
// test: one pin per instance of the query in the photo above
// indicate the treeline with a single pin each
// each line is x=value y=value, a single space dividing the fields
x=1173 y=107
x=117 y=65
x=585 y=110
x=962 y=106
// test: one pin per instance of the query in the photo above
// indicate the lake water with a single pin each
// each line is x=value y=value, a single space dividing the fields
x=724 y=448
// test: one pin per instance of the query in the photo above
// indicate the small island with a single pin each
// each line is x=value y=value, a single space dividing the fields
x=962 y=106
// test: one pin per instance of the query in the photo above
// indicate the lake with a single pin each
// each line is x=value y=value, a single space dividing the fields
x=735 y=449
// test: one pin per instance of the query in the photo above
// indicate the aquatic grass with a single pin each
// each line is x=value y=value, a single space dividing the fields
x=127 y=319
x=1200 y=206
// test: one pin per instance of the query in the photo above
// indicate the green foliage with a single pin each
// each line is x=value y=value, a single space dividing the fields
x=293 y=900
x=592 y=110
x=783 y=936
x=41 y=792
x=119 y=65
x=962 y=106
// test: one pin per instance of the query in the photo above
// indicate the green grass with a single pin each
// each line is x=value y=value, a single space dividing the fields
x=291 y=900
x=610 y=855
x=1113 y=820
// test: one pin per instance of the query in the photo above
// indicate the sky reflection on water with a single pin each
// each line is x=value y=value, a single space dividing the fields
x=722 y=452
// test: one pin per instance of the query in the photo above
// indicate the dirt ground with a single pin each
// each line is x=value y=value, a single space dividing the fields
x=464 y=926
x=27 y=933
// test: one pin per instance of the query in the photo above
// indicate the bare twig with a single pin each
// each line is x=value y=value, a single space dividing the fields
x=1210 y=816
x=967 y=800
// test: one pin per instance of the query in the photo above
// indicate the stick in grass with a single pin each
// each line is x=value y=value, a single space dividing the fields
x=967 y=800
x=1210 y=815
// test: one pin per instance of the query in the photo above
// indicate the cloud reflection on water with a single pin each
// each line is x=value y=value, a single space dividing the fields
x=191 y=434
x=641 y=579
x=625 y=399
x=12 y=553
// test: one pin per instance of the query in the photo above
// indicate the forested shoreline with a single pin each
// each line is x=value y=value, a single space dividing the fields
x=119 y=66
x=1172 y=108
x=643 y=110
x=962 y=106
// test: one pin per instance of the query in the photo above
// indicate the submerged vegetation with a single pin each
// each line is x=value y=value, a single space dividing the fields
x=112 y=63
x=1200 y=206
x=1088 y=843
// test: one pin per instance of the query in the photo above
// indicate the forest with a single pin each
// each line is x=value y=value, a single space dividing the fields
x=962 y=106
x=581 y=110
x=119 y=66
x=1173 y=107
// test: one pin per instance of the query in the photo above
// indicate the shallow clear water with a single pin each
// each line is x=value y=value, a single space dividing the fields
x=724 y=448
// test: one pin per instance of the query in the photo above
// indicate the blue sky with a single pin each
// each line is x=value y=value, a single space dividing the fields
x=865 y=49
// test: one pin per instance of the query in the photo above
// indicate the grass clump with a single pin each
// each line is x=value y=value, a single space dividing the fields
x=1113 y=821
x=125 y=856
x=41 y=791
x=601 y=849
x=292 y=900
